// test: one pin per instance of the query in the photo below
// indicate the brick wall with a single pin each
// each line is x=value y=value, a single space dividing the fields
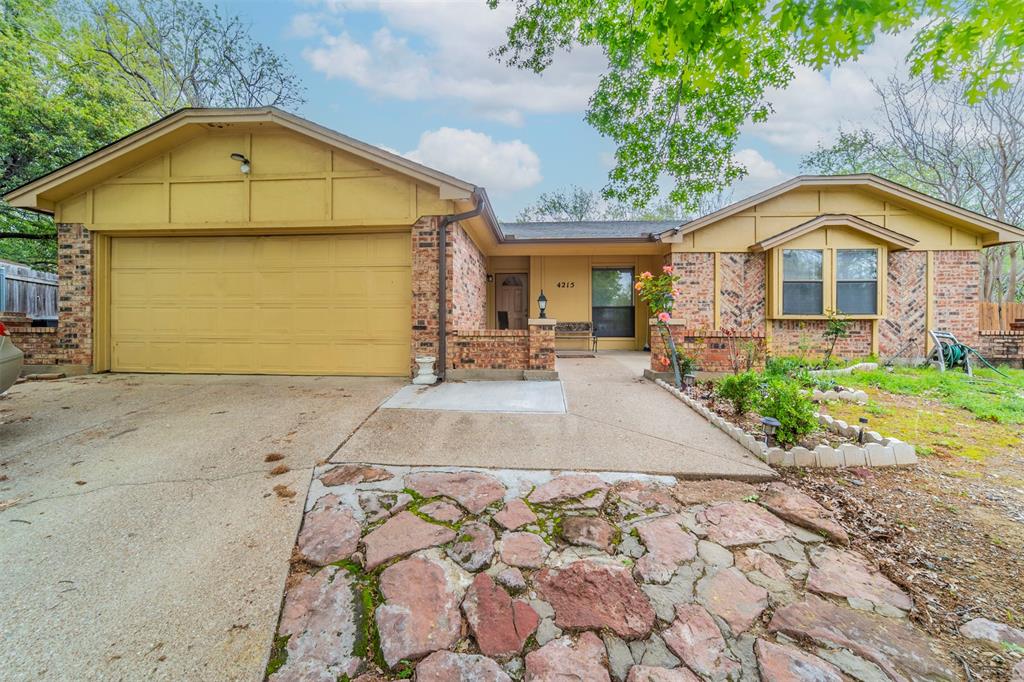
x=468 y=280
x=70 y=342
x=489 y=349
x=714 y=350
x=74 y=303
x=906 y=305
x=795 y=337
x=957 y=289
x=697 y=281
x=742 y=291
x=1002 y=347
x=424 y=287
x=542 y=346
x=39 y=344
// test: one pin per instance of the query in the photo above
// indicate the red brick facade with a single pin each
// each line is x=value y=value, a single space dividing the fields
x=696 y=273
x=741 y=291
x=957 y=290
x=1002 y=347
x=542 y=347
x=489 y=349
x=425 y=322
x=807 y=337
x=715 y=351
x=70 y=343
x=906 y=305
x=468 y=277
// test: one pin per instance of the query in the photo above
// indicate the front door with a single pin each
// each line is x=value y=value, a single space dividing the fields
x=511 y=301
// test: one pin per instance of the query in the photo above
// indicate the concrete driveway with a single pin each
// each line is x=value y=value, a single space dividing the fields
x=140 y=536
x=615 y=421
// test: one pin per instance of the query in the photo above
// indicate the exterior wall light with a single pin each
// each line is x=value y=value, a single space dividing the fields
x=542 y=304
x=246 y=166
x=770 y=425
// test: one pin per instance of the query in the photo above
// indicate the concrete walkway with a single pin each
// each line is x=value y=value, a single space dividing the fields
x=616 y=421
x=140 y=535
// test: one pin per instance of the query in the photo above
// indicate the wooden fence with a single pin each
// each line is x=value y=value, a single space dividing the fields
x=28 y=291
x=995 y=317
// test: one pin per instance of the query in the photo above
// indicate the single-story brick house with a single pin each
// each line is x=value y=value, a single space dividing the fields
x=254 y=241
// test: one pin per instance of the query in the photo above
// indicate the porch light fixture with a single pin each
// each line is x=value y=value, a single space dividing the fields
x=542 y=304
x=770 y=426
x=246 y=166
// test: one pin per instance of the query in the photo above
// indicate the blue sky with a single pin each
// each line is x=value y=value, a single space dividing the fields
x=415 y=77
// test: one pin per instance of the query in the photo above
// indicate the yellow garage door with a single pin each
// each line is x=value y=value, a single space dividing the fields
x=317 y=304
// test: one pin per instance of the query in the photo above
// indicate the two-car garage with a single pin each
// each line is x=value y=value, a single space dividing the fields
x=310 y=304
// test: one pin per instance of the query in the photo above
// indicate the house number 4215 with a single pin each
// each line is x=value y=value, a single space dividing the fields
x=566 y=285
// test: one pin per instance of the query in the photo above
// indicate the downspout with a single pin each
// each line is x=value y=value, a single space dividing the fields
x=442 y=281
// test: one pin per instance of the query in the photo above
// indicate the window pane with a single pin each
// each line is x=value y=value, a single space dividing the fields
x=614 y=321
x=801 y=298
x=857 y=264
x=857 y=298
x=612 y=288
x=801 y=265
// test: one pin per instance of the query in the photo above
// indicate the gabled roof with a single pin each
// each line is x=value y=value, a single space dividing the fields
x=32 y=194
x=875 y=184
x=644 y=230
x=894 y=239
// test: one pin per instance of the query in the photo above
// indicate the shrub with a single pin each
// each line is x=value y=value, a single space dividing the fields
x=687 y=363
x=785 y=400
x=740 y=390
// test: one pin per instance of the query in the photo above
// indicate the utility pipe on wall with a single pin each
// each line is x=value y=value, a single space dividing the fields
x=442 y=280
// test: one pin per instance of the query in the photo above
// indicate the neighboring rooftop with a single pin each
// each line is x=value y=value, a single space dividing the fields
x=589 y=229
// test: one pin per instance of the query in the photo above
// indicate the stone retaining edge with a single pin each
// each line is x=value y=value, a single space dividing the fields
x=877 y=451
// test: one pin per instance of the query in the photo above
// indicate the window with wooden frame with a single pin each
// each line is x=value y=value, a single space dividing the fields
x=857 y=281
x=802 y=282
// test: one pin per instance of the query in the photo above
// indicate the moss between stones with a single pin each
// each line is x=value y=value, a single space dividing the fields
x=419 y=501
x=278 y=654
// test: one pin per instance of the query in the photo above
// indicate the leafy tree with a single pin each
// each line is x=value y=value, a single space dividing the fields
x=930 y=137
x=684 y=76
x=180 y=53
x=56 y=105
x=576 y=204
x=75 y=76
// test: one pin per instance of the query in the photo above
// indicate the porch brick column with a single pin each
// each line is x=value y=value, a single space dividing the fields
x=542 y=344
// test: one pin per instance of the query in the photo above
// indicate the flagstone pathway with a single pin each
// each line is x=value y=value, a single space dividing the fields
x=469 y=575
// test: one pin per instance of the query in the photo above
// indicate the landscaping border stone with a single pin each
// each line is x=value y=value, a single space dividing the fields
x=877 y=450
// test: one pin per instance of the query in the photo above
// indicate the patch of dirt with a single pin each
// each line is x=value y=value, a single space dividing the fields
x=950 y=531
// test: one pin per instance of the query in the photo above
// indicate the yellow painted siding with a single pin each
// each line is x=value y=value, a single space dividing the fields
x=315 y=304
x=294 y=182
x=769 y=218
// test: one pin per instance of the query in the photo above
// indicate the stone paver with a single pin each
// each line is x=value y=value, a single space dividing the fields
x=794 y=506
x=668 y=546
x=562 y=660
x=786 y=664
x=403 y=534
x=329 y=532
x=420 y=613
x=471 y=489
x=732 y=524
x=515 y=514
x=499 y=623
x=524 y=549
x=594 y=595
x=350 y=474
x=618 y=579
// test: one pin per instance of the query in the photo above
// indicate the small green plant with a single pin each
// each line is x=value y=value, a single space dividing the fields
x=785 y=400
x=687 y=363
x=741 y=390
x=836 y=327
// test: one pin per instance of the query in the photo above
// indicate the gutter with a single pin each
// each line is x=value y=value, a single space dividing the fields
x=442 y=277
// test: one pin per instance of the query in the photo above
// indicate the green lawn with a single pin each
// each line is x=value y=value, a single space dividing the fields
x=988 y=395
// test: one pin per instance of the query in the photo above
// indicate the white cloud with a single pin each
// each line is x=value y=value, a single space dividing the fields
x=761 y=173
x=435 y=50
x=476 y=157
x=818 y=103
